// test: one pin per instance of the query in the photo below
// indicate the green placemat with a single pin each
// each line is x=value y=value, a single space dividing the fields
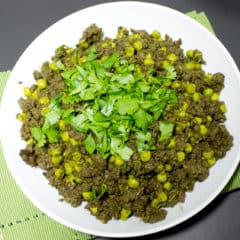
x=20 y=220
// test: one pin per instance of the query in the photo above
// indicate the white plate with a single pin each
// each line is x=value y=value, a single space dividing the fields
x=67 y=31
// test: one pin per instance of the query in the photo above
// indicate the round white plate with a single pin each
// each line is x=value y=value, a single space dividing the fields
x=68 y=31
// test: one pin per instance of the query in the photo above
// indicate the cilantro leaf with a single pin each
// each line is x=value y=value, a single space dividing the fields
x=91 y=56
x=171 y=73
x=123 y=78
x=124 y=152
x=52 y=134
x=88 y=94
x=142 y=119
x=103 y=189
x=108 y=108
x=51 y=118
x=81 y=87
x=98 y=131
x=79 y=122
x=127 y=106
x=99 y=117
x=68 y=74
x=143 y=141
x=38 y=135
x=82 y=71
x=117 y=147
x=90 y=144
x=109 y=62
x=108 y=101
x=103 y=146
x=166 y=129
x=60 y=65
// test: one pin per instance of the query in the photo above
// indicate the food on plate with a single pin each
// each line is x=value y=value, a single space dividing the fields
x=127 y=124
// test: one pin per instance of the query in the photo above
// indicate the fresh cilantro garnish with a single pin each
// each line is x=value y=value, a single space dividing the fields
x=144 y=141
x=38 y=135
x=166 y=129
x=127 y=106
x=109 y=62
x=60 y=65
x=52 y=134
x=90 y=144
x=116 y=101
x=170 y=75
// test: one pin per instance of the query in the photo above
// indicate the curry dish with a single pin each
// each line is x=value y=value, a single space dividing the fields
x=127 y=125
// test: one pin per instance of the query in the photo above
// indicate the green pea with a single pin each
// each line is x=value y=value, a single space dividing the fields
x=148 y=61
x=207 y=92
x=168 y=167
x=129 y=51
x=185 y=106
x=87 y=195
x=27 y=92
x=172 y=143
x=176 y=84
x=209 y=118
x=223 y=108
x=56 y=159
x=208 y=77
x=196 y=97
x=145 y=156
x=162 y=177
x=156 y=34
x=172 y=57
x=208 y=154
x=160 y=167
x=180 y=156
x=94 y=210
x=190 y=53
x=188 y=148
x=133 y=182
x=68 y=168
x=211 y=161
x=198 y=66
x=137 y=45
x=64 y=136
x=155 y=202
x=190 y=65
x=198 y=120
x=191 y=88
x=70 y=178
x=76 y=156
x=41 y=83
x=162 y=197
x=215 y=97
x=198 y=55
x=124 y=214
x=203 y=130
x=44 y=100
x=167 y=186
x=59 y=173
x=55 y=151
x=165 y=64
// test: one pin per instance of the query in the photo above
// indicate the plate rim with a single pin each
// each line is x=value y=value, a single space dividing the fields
x=179 y=220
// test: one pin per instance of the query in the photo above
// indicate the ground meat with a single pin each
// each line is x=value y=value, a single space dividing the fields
x=92 y=34
x=199 y=137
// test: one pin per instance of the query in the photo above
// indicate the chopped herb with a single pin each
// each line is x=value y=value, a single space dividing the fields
x=38 y=135
x=90 y=144
x=116 y=102
x=166 y=129
x=60 y=65
x=52 y=134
